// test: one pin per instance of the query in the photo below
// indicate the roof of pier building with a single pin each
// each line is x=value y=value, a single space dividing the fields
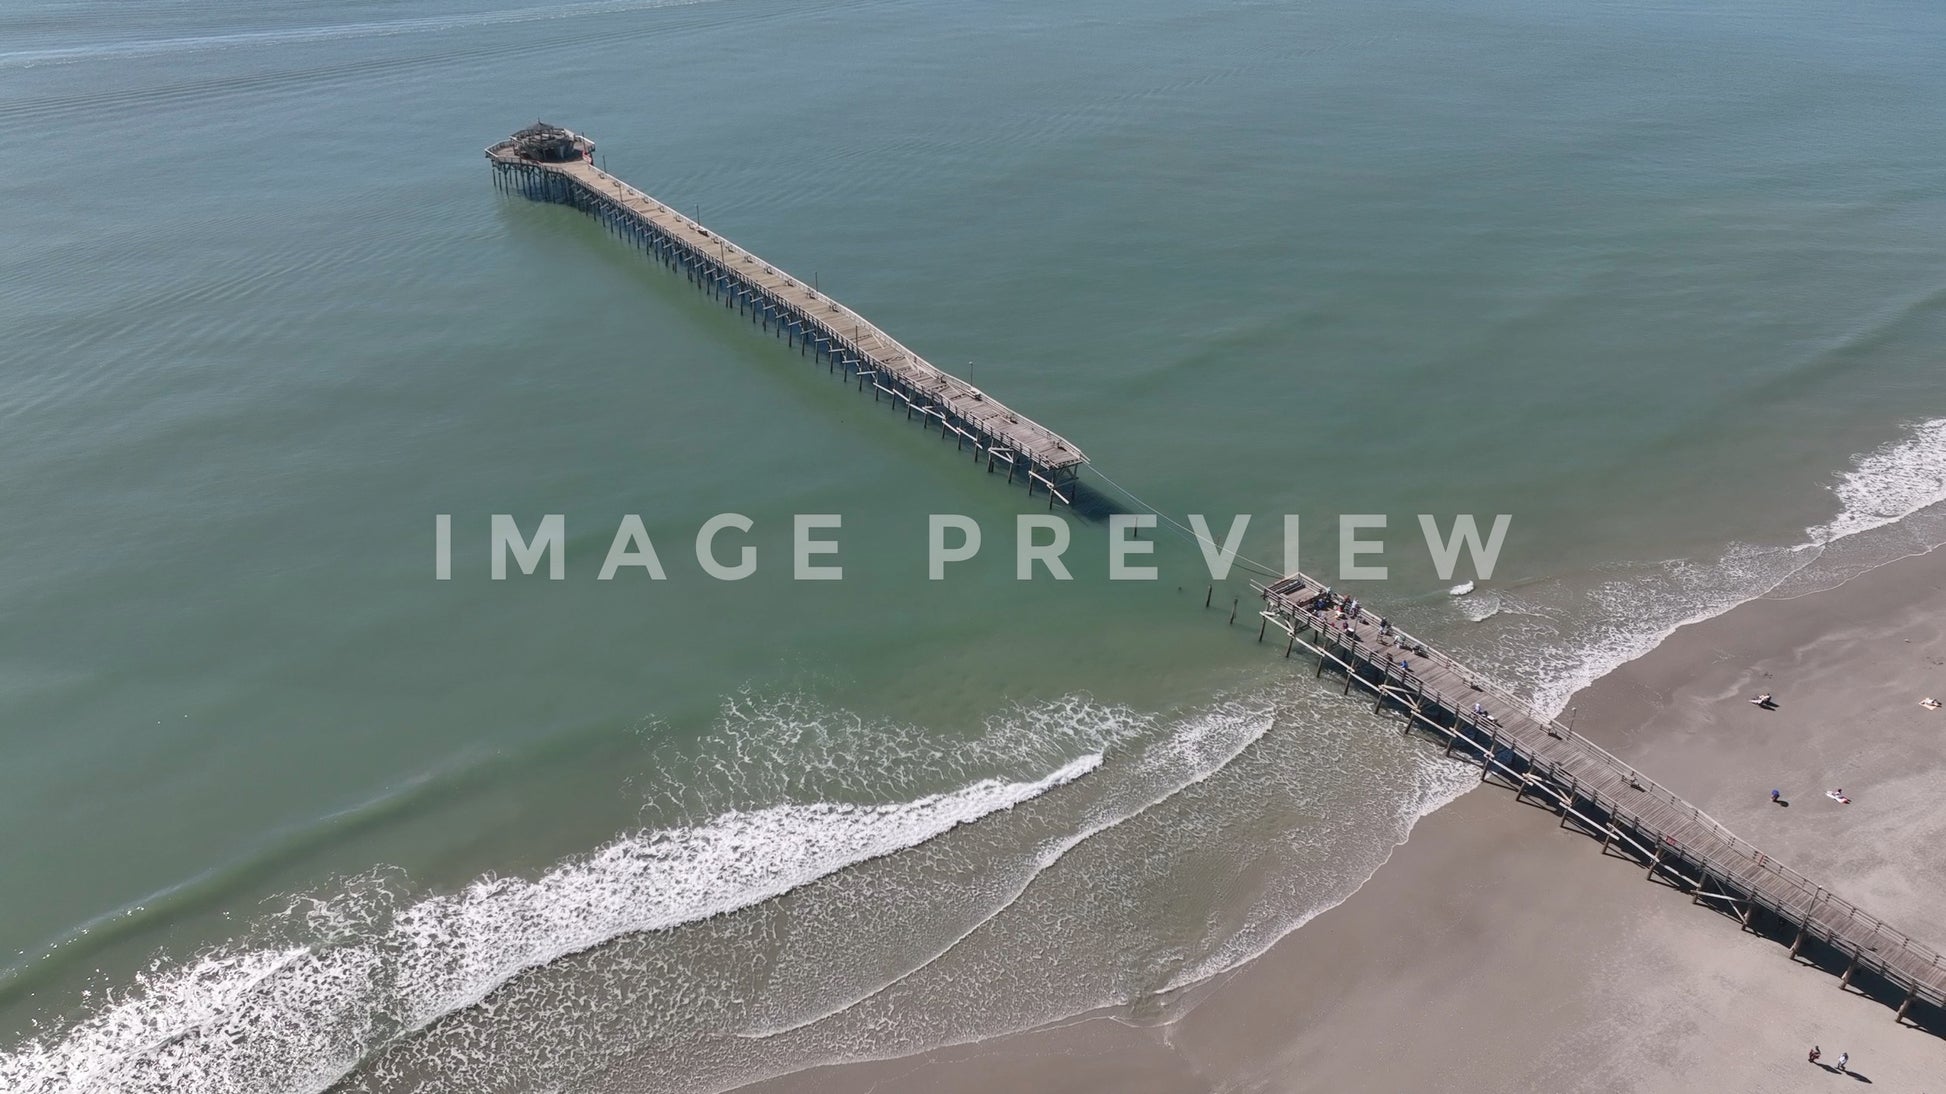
x=549 y=143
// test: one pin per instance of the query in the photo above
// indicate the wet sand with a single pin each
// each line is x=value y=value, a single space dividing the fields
x=1499 y=951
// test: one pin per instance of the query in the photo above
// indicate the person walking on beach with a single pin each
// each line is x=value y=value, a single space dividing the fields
x=1776 y=796
x=1844 y=1061
x=1815 y=1053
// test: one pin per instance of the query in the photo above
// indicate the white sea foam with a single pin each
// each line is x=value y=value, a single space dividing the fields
x=499 y=927
x=295 y=1019
x=1552 y=640
x=1570 y=644
x=1481 y=607
x=1435 y=785
x=1890 y=484
x=1555 y=643
x=1200 y=748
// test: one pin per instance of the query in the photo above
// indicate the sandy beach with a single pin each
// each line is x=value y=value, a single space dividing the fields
x=1499 y=951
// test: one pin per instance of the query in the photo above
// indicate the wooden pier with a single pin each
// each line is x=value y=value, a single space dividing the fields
x=1594 y=790
x=547 y=163
x=1536 y=756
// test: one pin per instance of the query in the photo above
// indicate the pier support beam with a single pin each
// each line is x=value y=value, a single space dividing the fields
x=1571 y=778
x=1607 y=799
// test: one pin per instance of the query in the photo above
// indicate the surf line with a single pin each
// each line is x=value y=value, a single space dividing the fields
x=1595 y=791
x=1535 y=754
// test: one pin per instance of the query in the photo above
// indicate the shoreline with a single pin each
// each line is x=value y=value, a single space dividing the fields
x=1492 y=919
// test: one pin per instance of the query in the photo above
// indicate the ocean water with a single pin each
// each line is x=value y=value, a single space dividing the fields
x=285 y=813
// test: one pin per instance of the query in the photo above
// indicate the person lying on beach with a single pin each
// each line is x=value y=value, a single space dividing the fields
x=1929 y=703
x=1838 y=796
x=1764 y=701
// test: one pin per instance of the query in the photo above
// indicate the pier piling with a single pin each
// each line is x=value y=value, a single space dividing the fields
x=551 y=164
x=1673 y=841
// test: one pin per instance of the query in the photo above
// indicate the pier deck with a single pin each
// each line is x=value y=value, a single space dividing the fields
x=804 y=315
x=1537 y=756
x=1593 y=788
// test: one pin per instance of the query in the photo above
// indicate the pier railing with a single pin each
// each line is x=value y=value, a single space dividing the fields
x=1531 y=751
x=1591 y=785
x=799 y=308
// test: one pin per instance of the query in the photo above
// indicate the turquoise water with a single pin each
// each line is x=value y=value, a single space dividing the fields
x=284 y=810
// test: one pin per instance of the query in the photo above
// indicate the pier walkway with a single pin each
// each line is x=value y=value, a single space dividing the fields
x=1593 y=789
x=1537 y=756
x=551 y=164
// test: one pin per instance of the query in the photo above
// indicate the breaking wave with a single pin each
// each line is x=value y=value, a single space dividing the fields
x=1890 y=484
x=376 y=965
x=785 y=793
x=1553 y=638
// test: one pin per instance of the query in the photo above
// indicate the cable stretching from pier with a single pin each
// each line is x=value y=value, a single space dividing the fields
x=1187 y=532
